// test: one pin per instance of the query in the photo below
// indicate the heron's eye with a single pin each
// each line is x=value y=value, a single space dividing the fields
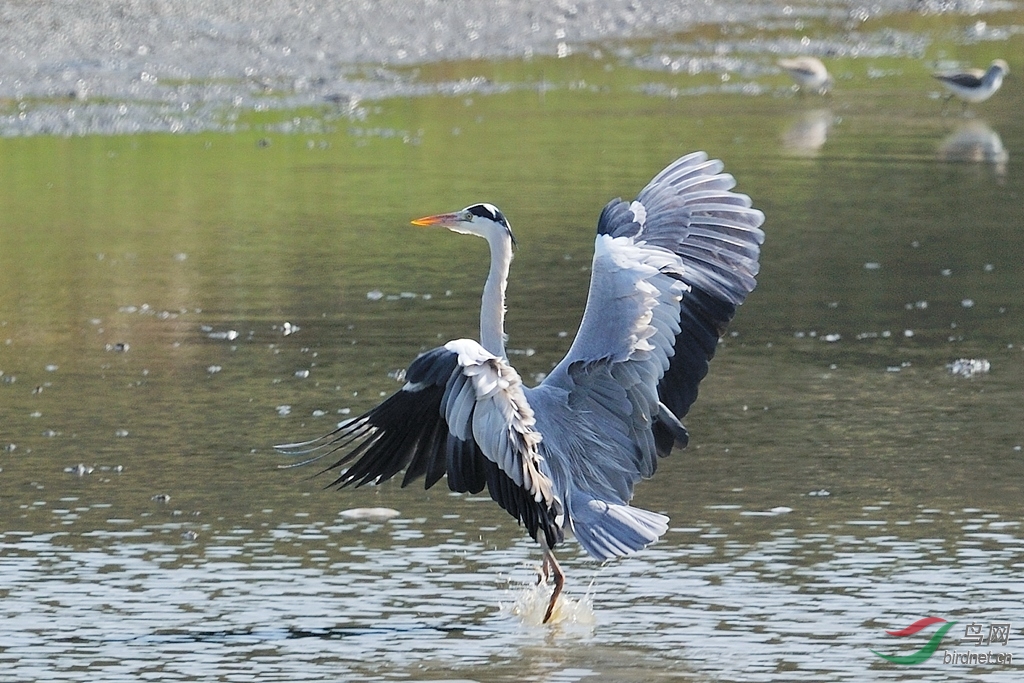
x=484 y=211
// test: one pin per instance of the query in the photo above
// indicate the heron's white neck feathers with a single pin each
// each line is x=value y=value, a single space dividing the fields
x=492 y=305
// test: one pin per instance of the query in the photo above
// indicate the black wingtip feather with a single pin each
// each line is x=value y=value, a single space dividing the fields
x=617 y=220
x=666 y=437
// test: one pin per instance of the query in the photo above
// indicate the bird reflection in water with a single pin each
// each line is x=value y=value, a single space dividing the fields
x=975 y=142
x=808 y=133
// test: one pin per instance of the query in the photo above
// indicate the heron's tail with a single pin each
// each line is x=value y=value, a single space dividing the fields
x=607 y=530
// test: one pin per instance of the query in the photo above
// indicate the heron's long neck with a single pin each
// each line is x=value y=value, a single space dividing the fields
x=492 y=306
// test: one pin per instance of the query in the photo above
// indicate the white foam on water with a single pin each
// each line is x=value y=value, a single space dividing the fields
x=529 y=603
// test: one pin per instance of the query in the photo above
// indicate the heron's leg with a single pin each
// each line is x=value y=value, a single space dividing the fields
x=551 y=563
x=542 y=571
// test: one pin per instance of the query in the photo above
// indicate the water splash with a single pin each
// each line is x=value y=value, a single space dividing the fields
x=529 y=603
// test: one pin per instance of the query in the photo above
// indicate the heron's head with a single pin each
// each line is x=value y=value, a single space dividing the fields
x=484 y=220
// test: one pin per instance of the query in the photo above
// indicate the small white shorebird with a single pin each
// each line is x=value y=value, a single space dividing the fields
x=808 y=72
x=974 y=85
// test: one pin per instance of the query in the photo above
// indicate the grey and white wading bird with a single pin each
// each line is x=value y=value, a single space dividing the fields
x=669 y=270
x=809 y=74
x=974 y=85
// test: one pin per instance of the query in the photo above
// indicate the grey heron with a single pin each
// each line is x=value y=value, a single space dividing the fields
x=668 y=272
x=974 y=85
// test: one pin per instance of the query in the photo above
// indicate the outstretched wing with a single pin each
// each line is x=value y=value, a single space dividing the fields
x=669 y=270
x=462 y=413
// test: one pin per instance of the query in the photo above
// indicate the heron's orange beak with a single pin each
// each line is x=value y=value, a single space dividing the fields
x=442 y=219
